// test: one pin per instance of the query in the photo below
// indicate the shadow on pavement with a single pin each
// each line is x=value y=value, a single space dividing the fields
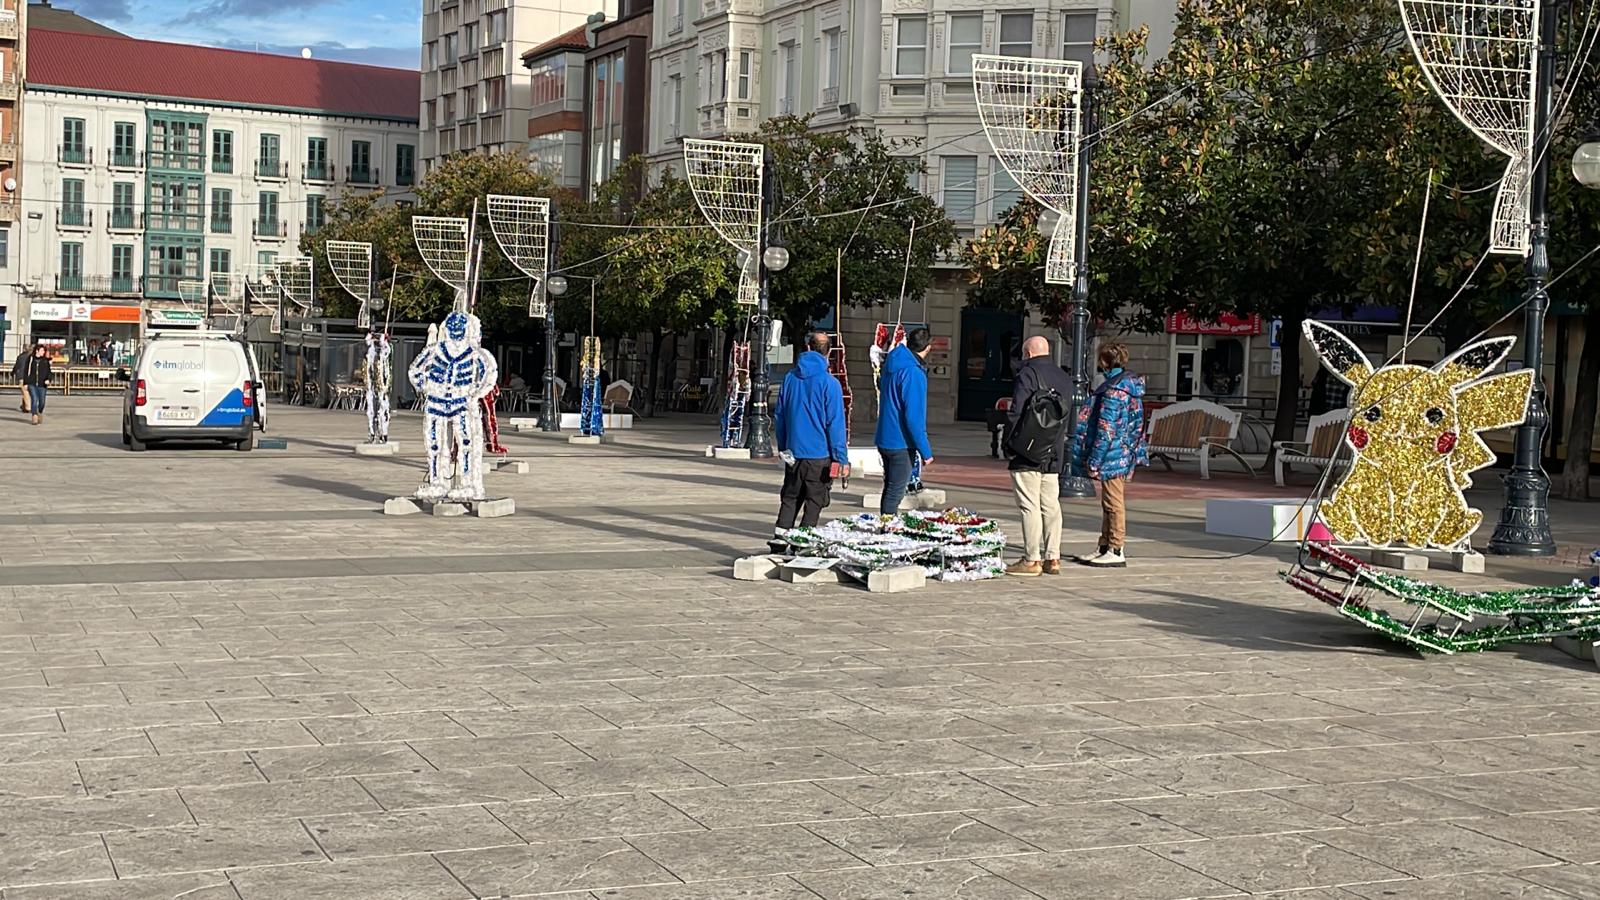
x=336 y=488
x=641 y=534
x=1251 y=626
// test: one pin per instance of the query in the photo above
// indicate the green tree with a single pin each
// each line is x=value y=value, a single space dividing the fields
x=1006 y=261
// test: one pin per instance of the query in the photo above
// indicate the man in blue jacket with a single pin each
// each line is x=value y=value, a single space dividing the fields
x=903 y=417
x=811 y=437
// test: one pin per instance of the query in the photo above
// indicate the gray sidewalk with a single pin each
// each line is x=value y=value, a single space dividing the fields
x=225 y=675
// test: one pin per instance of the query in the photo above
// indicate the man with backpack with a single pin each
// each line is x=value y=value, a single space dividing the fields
x=1035 y=442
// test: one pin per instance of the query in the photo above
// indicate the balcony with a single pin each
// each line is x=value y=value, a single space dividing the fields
x=74 y=156
x=98 y=284
x=74 y=218
x=269 y=229
x=362 y=175
x=123 y=219
x=69 y=283
x=272 y=170
x=222 y=165
x=317 y=172
x=222 y=224
x=8 y=23
x=125 y=161
x=406 y=178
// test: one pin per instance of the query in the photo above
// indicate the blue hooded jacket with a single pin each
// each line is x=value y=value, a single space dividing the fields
x=903 y=403
x=810 y=417
x=1109 y=434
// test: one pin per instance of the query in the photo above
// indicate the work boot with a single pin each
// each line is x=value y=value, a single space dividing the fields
x=1052 y=566
x=1025 y=568
x=1111 y=559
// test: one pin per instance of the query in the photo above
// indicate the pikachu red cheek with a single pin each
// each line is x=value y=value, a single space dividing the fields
x=1445 y=443
x=1359 y=437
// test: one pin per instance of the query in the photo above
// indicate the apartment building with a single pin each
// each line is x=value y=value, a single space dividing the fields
x=475 y=96
x=156 y=165
x=903 y=67
x=13 y=35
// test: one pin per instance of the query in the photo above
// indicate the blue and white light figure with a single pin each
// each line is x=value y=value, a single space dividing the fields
x=453 y=373
x=591 y=413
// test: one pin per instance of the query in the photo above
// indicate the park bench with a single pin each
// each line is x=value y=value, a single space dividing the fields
x=1324 y=434
x=1194 y=429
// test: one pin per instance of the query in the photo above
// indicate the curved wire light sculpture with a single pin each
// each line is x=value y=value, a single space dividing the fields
x=445 y=244
x=351 y=264
x=1032 y=113
x=725 y=178
x=1481 y=56
x=521 y=227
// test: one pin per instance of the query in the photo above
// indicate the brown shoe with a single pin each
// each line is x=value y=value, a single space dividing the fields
x=1052 y=566
x=35 y=420
x=1023 y=568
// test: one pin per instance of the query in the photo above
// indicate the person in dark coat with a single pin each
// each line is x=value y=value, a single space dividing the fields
x=36 y=377
x=809 y=427
x=902 y=435
x=1037 y=483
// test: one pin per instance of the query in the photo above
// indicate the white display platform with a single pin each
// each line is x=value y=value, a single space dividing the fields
x=609 y=421
x=925 y=499
x=392 y=448
x=728 y=452
x=865 y=461
x=1283 y=520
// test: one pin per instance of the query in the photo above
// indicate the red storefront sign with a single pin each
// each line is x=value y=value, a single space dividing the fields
x=1227 y=323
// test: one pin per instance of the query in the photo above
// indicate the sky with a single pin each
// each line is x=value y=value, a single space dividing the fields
x=376 y=32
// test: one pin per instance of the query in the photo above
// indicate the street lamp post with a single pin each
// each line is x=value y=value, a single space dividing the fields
x=1524 y=528
x=772 y=257
x=556 y=285
x=1074 y=486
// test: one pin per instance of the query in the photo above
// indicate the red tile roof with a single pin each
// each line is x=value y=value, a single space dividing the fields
x=127 y=66
x=576 y=39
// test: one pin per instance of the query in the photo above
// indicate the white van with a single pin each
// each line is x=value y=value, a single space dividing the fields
x=193 y=386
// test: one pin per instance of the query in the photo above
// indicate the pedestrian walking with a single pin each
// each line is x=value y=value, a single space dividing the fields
x=902 y=435
x=1035 y=442
x=17 y=368
x=809 y=427
x=36 y=377
x=1110 y=443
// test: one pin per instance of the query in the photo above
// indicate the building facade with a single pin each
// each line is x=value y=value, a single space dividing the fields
x=163 y=165
x=475 y=96
x=13 y=36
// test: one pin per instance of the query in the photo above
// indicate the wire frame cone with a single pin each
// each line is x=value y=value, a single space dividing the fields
x=351 y=265
x=725 y=178
x=1032 y=113
x=294 y=278
x=1481 y=56
x=521 y=227
x=444 y=246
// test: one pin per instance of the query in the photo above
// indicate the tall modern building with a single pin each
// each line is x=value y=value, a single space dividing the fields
x=153 y=166
x=475 y=95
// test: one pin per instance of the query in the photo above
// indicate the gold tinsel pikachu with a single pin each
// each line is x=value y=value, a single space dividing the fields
x=1414 y=432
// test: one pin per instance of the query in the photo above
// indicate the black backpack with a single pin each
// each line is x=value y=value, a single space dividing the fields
x=1040 y=427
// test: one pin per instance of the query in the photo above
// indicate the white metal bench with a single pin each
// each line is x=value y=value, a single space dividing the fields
x=1194 y=429
x=1324 y=433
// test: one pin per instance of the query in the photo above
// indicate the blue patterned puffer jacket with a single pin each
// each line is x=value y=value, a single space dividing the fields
x=1109 y=438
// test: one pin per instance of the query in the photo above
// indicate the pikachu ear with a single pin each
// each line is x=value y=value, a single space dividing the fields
x=1499 y=401
x=1342 y=357
x=1474 y=360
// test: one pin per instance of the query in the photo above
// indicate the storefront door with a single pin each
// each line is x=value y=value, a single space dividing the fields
x=991 y=350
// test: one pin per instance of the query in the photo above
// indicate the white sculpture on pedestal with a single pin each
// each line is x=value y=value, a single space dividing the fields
x=378 y=383
x=453 y=373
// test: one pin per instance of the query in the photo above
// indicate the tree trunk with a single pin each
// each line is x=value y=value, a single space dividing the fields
x=1580 y=433
x=1288 y=379
x=657 y=338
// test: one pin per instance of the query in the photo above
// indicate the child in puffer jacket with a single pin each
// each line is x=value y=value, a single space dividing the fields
x=1108 y=443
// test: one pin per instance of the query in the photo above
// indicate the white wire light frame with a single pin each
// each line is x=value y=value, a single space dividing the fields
x=193 y=292
x=295 y=280
x=725 y=178
x=1481 y=56
x=351 y=265
x=445 y=246
x=521 y=227
x=228 y=290
x=1032 y=113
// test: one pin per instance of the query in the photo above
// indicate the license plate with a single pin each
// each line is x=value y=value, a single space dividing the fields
x=185 y=414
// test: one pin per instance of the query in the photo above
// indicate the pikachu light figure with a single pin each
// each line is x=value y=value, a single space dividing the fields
x=1414 y=432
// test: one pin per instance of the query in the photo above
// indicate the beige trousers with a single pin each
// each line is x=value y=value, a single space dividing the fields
x=1114 y=512
x=1039 y=498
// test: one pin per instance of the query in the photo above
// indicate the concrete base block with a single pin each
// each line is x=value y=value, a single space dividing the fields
x=808 y=575
x=389 y=449
x=1286 y=519
x=591 y=440
x=511 y=466
x=608 y=421
x=756 y=568
x=730 y=453
x=865 y=461
x=1468 y=563
x=401 y=506
x=1396 y=559
x=927 y=498
x=449 y=509
x=896 y=580
x=494 y=509
x=522 y=423
x=1577 y=649
x=266 y=443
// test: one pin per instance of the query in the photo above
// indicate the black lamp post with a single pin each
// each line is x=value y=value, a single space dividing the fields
x=772 y=256
x=1524 y=528
x=1073 y=486
x=550 y=409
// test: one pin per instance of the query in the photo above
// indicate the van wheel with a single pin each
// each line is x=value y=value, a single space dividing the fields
x=126 y=438
x=134 y=444
x=246 y=445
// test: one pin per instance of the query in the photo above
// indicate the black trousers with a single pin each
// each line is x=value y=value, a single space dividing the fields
x=805 y=484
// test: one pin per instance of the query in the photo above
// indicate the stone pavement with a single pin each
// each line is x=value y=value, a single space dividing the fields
x=225 y=675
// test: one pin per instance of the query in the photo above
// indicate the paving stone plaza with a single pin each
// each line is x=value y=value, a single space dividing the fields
x=227 y=676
